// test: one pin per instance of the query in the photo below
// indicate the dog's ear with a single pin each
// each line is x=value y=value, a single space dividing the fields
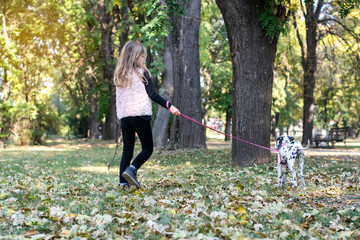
x=278 y=142
x=291 y=139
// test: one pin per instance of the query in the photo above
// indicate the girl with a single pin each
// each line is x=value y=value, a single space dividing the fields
x=134 y=89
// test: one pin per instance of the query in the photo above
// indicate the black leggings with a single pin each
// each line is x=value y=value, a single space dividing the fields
x=130 y=126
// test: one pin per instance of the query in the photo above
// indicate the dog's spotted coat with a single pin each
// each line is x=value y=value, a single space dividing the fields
x=289 y=150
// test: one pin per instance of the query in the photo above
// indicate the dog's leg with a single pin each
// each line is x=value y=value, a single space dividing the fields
x=283 y=177
x=301 y=168
x=279 y=171
x=291 y=162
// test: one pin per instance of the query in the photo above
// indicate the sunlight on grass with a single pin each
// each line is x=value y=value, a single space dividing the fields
x=210 y=134
x=154 y=167
x=98 y=169
x=39 y=148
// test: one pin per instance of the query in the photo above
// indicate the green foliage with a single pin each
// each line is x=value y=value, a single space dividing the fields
x=336 y=89
x=58 y=43
x=221 y=89
x=338 y=95
x=5 y=119
x=273 y=20
x=28 y=122
x=159 y=17
x=46 y=121
x=336 y=92
x=346 y=6
x=157 y=22
x=28 y=43
x=287 y=88
x=79 y=76
x=215 y=60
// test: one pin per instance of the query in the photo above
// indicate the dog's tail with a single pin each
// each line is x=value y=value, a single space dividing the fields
x=308 y=145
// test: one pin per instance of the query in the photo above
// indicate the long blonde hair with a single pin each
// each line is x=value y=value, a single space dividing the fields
x=127 y=64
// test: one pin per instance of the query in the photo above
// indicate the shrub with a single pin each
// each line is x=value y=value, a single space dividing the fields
x=30 y=122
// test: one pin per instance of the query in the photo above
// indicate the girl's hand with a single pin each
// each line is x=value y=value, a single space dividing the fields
x=174 y=111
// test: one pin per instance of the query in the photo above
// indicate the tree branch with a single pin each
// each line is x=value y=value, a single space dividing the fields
x=340 y=38
x=299 y=40
x=318 y=8
x=303 y=10
x=352 y=33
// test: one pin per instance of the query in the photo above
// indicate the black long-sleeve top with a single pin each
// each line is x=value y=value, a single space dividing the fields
x=151 y=91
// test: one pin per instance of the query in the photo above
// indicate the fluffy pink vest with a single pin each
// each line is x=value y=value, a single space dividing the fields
x=133 y=100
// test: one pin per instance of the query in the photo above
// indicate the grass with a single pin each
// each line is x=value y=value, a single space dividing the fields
x=64 y=190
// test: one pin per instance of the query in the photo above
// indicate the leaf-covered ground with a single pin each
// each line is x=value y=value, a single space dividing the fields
x=64 y=190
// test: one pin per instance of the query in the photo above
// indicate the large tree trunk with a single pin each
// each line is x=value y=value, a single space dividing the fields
x=253 y=56
x=187 y=91
x=161 y=121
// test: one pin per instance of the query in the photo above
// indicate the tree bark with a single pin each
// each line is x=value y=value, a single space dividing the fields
x=93 y=123
x=162 y=116
x=228 y=126
x=207 y=83
x=187 y=91
x=253 y=56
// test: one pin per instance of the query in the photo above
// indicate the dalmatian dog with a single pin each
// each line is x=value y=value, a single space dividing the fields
x=289 y=151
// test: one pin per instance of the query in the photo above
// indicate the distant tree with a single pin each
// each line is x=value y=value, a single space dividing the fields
x=309 y=62
x=78 y=64
x=315 y=16
x=336 y=91
x=287 y=94
x=107 y=15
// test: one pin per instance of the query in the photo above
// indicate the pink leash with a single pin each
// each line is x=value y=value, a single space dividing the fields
x=193 y=120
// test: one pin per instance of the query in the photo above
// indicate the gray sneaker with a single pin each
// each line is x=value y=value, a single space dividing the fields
x=130 y=175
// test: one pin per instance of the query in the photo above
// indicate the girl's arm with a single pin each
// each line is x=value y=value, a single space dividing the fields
x=150 y=89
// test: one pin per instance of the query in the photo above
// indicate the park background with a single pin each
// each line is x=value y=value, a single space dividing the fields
x=58 y=57
x=263 y=68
